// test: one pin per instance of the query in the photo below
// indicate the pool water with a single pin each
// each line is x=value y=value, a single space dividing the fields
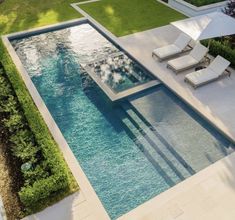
x=89 y=49
x=119 y=72
x=126 y=162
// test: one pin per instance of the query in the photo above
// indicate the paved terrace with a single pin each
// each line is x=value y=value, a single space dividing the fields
x=215 y=101
x=209 y=194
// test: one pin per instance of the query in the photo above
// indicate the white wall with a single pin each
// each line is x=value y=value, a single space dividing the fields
x=191 y=10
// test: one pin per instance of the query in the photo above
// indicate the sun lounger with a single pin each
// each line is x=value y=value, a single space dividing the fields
x=170 y=50
x=213 y=72
x=192 y=59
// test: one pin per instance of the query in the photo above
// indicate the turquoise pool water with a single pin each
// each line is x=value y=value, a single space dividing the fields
x=119 y=72
x=126 y=162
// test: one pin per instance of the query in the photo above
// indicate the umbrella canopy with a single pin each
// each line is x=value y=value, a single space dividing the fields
x=215 y=24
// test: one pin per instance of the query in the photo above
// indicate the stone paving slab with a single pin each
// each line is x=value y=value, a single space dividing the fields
x=208 y=195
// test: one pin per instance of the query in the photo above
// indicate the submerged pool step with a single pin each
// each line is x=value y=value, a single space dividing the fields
x=159 y=162
x=160 y=145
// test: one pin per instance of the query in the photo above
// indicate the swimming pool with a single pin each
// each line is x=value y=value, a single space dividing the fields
x=130 y=150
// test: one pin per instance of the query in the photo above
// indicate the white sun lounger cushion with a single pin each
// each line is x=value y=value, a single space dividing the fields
x=193 y=58
x=201 y=76
x=219 y=65
x=198 y=52
x=212 y=72
x=182 y=62
x=182 y=41
x=166 y=51
x=178 y=46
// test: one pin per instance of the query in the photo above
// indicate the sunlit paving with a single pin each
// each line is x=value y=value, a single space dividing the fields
x=117 y=109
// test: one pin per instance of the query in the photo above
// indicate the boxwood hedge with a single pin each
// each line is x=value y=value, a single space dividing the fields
x=223 y=49
x=48 y=178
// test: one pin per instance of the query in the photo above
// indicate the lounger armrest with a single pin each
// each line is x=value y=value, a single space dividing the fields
x=191 y=47
x=188 y=48
x=227 y=72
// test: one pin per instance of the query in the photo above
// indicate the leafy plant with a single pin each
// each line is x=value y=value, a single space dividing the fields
x=199 y=3
x=14 y=122
x=24 y=146
x=223 y=49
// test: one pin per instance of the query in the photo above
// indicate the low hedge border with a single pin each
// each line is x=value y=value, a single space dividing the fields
x=60 y=182
x=223 y=49
x=200 y=3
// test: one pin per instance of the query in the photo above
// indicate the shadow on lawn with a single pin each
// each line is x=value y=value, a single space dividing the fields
x=22 y=15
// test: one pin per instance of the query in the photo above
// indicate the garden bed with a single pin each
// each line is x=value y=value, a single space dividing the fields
x=223 y=48
x=193 y=8
x=10 y=181
x=43 y=177
x=199 y=3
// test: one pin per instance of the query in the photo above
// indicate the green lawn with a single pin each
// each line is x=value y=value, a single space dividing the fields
x=123 y=17
x=120 y=16
x=22 y=15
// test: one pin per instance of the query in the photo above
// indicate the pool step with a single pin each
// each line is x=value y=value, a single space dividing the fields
x=177 y=164
x=159 y=162
x=164 y=141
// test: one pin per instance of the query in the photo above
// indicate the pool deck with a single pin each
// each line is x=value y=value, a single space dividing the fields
x=209 y=194
x=215 y=101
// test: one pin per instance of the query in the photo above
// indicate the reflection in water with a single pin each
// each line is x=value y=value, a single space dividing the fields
x=119 y=72
x=81 y=43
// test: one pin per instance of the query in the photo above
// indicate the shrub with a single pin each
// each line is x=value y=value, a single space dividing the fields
x=40 y=171
x=24 y=146
x=223 y=49
x=14 y=122
x=199 y=3
x=49 y=178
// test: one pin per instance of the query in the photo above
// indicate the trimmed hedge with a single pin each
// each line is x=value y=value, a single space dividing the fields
x=51 y=179
x=199 y=3
x=223 y=49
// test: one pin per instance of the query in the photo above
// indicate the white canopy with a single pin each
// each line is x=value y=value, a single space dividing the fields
x=215 y=24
